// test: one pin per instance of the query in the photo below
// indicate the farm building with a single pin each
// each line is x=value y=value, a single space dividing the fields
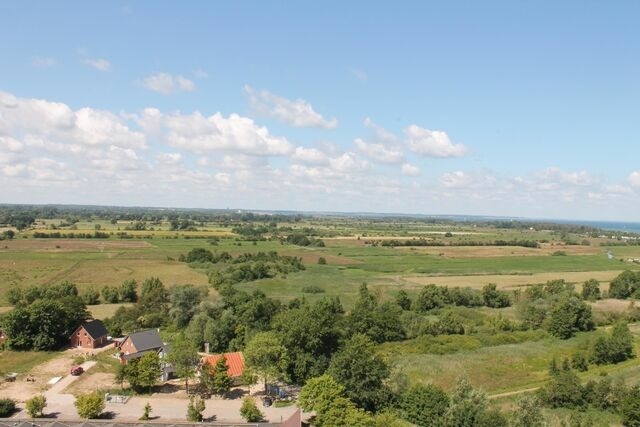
x=91 y=334
x=235 y=363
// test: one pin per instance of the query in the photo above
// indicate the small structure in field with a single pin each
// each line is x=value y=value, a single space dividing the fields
x=91 y=334
x=235 y=363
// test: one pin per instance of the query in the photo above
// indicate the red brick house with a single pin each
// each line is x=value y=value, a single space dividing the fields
x=91 y=334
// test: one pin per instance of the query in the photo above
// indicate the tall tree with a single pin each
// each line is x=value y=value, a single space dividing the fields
x=362 y=372
x=183 y=355
x=267 y=357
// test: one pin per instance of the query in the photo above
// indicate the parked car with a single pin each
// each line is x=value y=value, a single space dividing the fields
x=77 y=370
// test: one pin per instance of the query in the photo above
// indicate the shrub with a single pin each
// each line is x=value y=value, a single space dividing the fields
x=89 y=405
x=630 y=408
x=591 y=290
x=195 y=409
x=7 y=407
x=146 y=413
x=36 y=405
x=322 y=261
x=312 y=289
x=424 y=405
x=249 y=410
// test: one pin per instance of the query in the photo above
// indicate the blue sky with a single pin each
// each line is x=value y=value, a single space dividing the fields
x=462 y=107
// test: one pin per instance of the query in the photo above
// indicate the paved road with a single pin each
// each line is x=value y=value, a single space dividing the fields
x=166 y=408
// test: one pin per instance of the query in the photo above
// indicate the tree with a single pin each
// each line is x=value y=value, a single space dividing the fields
x=466 y=406
x=494 y=298
x=128 y=291
x=221 y=382
x=424 y=405
x=195 y=409
x=184 y=303
x=110 y=294
x=362 y=372
x=90 y=297
x=379 y=322
x=625 y=285
x=121 y=375
x=563 y=390
x=325 y=396
x=528 y=413
x=568 y=316
x=89 y=405
x=143 y=373
x=591 y=290
x=630 y=408
x=267 y=357
x=403 y=300
x=249 y=410
x=430 y=297
x=36 y=405
x=183 y=355
x=615 y=348
x=146 y=413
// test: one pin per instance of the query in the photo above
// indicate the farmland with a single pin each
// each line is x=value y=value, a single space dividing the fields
x=386 y=255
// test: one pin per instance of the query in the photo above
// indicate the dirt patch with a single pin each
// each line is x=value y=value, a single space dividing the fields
x=89 y=382
x=39 y=376
x=508 y=281
x=62 y=245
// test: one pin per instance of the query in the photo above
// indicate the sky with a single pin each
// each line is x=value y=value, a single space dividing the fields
x=501 y=108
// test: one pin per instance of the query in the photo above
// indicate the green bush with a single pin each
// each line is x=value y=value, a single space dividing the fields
x=89 y=405
x=249 y=410
x=36 y=405
x=312 y=289
x=7 y=407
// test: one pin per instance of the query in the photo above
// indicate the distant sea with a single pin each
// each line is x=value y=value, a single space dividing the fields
x=630 y=227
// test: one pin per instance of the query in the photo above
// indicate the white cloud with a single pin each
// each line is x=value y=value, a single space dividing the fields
x=309 y=155
x=203 y=135
x=55 y=122
x=43 y=61
x=97 y=63
x=297 y=113
x=410 y=170
x=634 y=179
x=380 y=133
x=166 y=84
x=432 y=143
x=169 y=158
x=581 y=178
x=379 y=152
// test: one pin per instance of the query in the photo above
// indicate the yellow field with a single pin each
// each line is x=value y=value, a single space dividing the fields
x=507 y=281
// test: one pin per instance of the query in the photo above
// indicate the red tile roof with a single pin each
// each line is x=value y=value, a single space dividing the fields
x=235 y=362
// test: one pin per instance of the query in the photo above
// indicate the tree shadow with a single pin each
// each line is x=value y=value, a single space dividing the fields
x=210 y=419
x=107 y=415
x=50 y=415
x=236 y=393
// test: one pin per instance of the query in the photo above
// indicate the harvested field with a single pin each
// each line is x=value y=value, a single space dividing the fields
x=102 y=311
x=508 y=281
x=60 y=245
x=614 y=305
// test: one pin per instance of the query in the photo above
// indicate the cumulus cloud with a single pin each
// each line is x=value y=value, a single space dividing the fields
x=432 y=143
x=167 y=84
x=297 y=113
x=359 y=74
x=201 y=134
x=410 y=170
x=309 y=155
x=634 y=179
x=56 y=122
x=379 y=152
x=97 y=63
x=555 y=174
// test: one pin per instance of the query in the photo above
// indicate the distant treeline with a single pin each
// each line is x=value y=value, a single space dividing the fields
x=425 y=242
x=71 y=235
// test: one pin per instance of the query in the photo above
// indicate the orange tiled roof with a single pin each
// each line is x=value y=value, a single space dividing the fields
x=235 y=362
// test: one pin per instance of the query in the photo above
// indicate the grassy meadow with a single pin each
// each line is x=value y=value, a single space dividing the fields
x=503 y=364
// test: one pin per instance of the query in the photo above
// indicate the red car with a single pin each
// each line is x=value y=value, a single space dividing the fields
x=77 y=370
